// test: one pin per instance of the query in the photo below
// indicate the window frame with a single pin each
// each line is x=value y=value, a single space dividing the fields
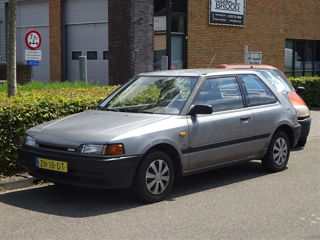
x=303 y=72
x=92 y=52
x=244 y=89
x=217 y=77
x=75 y=55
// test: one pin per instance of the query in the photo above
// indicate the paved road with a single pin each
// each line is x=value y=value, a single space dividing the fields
x=240 y=202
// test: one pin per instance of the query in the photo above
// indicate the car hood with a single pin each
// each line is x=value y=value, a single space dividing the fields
x=91 y=127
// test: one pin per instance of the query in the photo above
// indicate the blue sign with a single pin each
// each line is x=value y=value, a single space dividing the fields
x=32 y=63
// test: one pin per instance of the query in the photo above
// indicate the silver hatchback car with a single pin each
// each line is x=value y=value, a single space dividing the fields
x=164 y=125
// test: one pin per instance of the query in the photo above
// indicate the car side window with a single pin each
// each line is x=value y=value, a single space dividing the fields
x=221 y=93
x=257 y=93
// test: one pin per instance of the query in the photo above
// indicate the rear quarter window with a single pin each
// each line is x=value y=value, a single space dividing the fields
x=256 y=91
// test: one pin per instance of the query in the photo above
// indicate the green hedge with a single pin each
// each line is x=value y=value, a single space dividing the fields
x=30 y=108
x=312 y=85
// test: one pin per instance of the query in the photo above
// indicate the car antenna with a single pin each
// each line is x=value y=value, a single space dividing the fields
x=212 y=60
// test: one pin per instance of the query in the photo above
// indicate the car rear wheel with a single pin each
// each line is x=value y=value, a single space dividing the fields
x=155 y=177
x=278 y=153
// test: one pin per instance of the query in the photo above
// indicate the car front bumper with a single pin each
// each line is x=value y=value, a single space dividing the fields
x=86 y=171
x=305 y=128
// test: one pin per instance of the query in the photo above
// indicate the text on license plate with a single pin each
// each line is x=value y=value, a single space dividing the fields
x=51 y=164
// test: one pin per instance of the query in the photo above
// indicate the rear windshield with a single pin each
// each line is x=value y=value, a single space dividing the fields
x=276 y=78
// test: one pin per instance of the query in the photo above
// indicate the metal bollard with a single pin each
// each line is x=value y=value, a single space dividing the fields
x=83 y=69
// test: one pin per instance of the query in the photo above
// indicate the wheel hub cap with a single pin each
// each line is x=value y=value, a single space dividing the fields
x=157 y=177
x=280 y=151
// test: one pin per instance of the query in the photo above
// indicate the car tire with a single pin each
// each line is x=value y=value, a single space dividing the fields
x=155 y=177
x=278 y=153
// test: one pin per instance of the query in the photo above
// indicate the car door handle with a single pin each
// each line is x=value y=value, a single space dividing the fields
x=245 y=118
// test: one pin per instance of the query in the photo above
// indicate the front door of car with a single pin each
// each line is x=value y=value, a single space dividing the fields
x=225 y=134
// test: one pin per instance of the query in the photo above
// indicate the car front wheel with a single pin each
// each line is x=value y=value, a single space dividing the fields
x=278 y=153
x=155 y=177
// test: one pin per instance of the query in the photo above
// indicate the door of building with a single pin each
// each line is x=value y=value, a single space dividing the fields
x=87 y=35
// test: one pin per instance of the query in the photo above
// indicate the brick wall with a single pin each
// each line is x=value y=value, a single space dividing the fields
x=267 y=25
x=130 y=39
x=55 y=23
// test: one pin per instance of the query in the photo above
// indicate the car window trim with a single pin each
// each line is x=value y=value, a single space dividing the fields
x=215 y=77
x=244 y=90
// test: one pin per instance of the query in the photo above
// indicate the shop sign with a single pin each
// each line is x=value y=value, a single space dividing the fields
x=227 y=12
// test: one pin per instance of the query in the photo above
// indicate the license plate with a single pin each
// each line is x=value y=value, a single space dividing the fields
x=51 y=164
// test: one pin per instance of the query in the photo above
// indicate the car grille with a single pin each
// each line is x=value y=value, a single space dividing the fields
x=58 y=148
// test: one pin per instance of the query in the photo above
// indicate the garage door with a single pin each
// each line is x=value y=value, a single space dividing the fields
x=87 y=35
x=34 y=15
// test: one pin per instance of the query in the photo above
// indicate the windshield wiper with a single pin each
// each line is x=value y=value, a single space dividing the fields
x=141 y=111
x=112 y=110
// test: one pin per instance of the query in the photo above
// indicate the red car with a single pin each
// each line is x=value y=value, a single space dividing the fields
x=278 y=79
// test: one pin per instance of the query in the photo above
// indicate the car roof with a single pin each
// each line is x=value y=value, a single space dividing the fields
x=245 y=66
x=192 y=72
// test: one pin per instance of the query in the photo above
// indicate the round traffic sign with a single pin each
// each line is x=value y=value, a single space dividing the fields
x=33 y=39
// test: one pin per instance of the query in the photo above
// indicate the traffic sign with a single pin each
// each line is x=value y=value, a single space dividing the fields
x=254 y=57
x=33 y=39
x=32 y=55
x=32 y=63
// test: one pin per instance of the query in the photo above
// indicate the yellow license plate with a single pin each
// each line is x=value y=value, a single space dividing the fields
x=51 y=164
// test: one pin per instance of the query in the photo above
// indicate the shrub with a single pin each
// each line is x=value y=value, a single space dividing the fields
x=40 y=86
x=312 y=85
x=30 y=108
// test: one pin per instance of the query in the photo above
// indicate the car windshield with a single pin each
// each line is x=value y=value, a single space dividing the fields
x=153 y=94
x=276 y=78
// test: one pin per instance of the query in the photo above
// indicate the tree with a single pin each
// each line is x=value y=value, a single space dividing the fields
x=12 y=66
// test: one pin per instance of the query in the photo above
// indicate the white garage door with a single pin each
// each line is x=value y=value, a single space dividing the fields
x=34 y=15
x=87 y=35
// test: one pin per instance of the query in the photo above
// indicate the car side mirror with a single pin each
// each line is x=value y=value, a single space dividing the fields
x=200 y=109
x=300 y=90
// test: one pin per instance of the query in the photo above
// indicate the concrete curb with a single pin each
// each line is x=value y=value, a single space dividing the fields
x=17 y=182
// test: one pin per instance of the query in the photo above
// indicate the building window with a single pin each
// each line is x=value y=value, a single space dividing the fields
x=302 y=57
x=76 y=55
x=170 y=24
x=105 y=55
x=317 y=58
x=92 y=55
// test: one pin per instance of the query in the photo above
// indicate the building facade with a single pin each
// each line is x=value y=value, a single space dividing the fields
x=125 y=37
x=287 y=33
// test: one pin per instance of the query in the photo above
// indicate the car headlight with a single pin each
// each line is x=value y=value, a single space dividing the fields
x=29 y=141
x=102 y=149
x=302 y=112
